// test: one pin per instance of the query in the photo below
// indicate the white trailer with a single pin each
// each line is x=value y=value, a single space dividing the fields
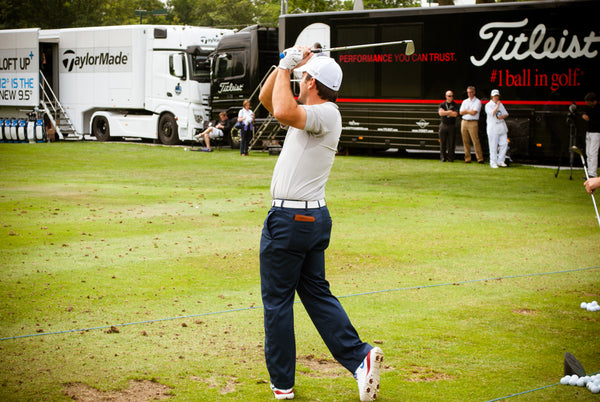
x=144 y=81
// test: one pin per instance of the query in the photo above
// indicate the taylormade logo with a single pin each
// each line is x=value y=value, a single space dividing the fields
x=82 y=60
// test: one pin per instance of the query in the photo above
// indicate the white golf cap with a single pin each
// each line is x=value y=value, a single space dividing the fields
x=495 y=92
x=325 y=70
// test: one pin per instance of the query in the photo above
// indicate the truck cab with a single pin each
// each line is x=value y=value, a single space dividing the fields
x=239 y=64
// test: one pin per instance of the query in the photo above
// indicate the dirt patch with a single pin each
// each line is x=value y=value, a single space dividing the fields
x=316 y=367
x=312 y=366
x=525 y=311
x=426 y=374
x=225 y=384
x=136 y=392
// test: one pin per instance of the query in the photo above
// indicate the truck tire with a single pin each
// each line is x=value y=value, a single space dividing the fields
x=167 y=130
x=101 y=129
x=235 y=138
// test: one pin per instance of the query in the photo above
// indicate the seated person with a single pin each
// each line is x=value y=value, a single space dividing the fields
x=217 y=130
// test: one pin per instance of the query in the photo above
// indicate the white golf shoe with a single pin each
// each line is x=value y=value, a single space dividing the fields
x=282 y=393
x=367 y=375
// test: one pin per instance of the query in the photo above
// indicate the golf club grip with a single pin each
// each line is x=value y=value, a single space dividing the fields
x=282 y=54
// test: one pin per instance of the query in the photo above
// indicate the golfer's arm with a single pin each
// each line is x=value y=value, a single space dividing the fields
x=285 y=108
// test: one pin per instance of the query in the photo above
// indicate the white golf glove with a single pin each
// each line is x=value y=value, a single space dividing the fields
x=293 y=56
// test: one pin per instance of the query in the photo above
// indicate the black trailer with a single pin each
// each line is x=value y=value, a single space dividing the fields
x=542 y=56
x=239 y=63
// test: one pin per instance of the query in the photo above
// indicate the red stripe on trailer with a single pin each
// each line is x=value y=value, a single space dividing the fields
x=438 y=101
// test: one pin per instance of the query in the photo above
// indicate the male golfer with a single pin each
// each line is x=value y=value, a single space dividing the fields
x=298 y=226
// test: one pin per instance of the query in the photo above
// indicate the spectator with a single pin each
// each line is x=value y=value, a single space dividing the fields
x=448 y=112
x=497 y=130
x=245 y=121
x=469 y=110
x=592 y=137
x=214 y=131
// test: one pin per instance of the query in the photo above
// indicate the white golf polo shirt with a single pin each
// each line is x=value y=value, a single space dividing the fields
x=471 y=104
x=304 y=164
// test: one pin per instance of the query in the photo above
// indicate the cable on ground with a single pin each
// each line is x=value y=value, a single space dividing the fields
x=257 y=307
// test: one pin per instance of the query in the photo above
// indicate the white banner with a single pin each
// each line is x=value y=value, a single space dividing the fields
x=19 y=68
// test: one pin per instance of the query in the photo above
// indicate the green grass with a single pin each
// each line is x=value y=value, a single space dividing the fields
x=101 y=234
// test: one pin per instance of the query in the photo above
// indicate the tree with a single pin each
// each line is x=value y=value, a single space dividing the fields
x=183 y=11
x=48 y=14
x=377 y=4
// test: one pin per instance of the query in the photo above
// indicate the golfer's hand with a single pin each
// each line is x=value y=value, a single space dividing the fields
x=592 y=184
x=306 y=55
x=293 y=56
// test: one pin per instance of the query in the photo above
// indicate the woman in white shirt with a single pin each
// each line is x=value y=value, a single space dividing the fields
x=245 y=120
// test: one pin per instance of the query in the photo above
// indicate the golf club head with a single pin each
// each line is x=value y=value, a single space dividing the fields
x=410 y=47
x=577 y=150
x=572 y=366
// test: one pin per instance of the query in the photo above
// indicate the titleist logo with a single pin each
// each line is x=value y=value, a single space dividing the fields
x=538 y=46
x=229 y=87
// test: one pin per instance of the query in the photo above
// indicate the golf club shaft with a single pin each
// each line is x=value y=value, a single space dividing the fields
x=337 y=49
x=588 y=177
x=410 y=47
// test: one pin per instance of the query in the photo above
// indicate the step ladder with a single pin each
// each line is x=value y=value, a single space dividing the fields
x=266 y=132
x=269 y=127
x=56 y=113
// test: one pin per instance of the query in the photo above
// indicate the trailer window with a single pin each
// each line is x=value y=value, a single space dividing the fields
x=379 y=71
x=230 y=64
x=355 y=63
x=401 y=76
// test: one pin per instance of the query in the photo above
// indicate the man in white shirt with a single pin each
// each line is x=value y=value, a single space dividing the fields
x=469 y=110
x=297 y=229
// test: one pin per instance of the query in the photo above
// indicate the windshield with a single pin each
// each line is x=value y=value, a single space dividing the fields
x=200 y=67
x=228 y=65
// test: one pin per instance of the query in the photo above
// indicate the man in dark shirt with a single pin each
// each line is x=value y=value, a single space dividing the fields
x=592 y=137
x=448 y=112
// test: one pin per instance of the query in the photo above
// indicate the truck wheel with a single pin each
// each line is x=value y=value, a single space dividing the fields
x=167 y=130
x=235 y=137
x=101 y=129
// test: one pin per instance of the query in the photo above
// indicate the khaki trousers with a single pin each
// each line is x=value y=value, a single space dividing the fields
x=469 y=130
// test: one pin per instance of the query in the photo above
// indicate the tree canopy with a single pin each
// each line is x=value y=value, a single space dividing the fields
x=51 y=14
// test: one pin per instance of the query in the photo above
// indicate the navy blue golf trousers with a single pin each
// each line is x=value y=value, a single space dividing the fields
x=292 y=259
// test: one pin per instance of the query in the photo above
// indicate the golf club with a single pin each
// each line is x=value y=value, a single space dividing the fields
x=410 y=47
x=577 y=150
